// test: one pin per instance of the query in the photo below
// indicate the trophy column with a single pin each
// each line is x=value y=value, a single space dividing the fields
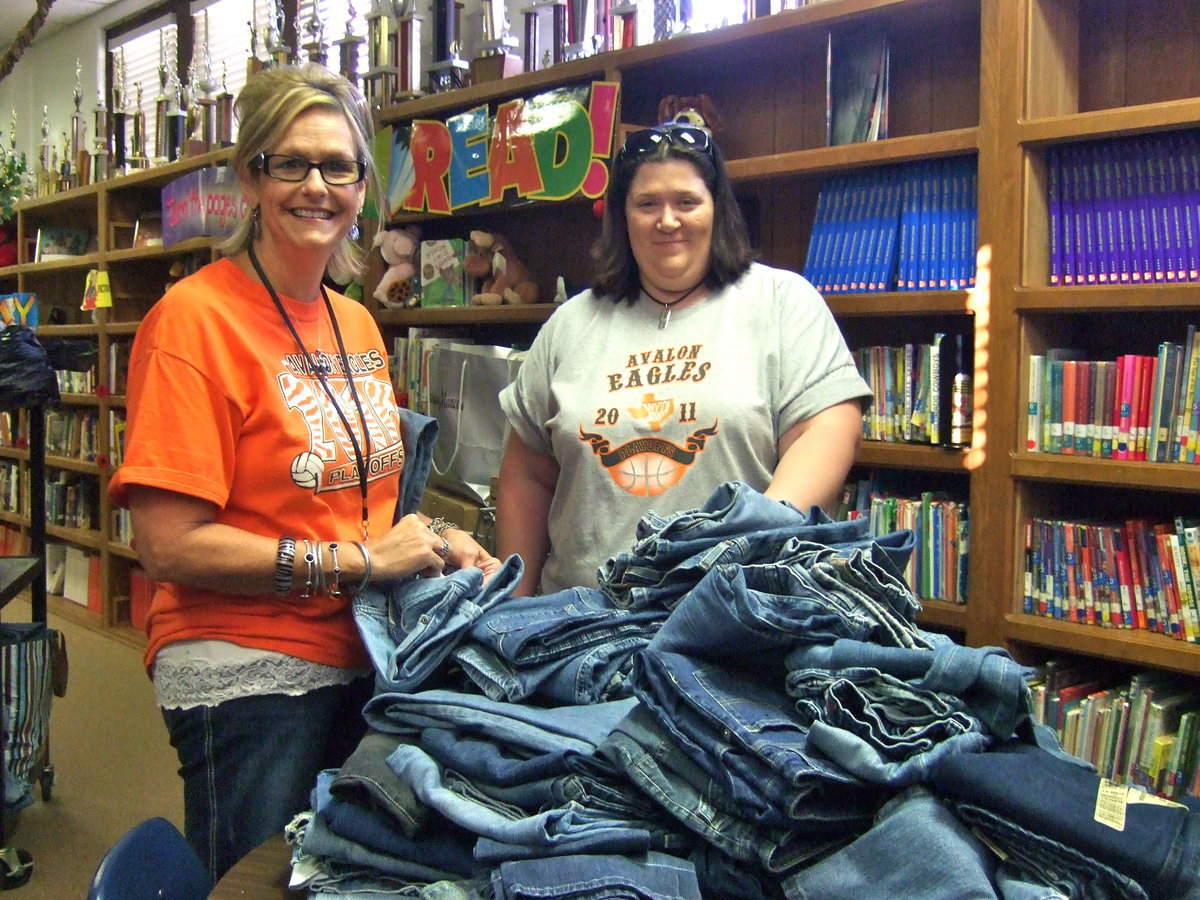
x=449 y=71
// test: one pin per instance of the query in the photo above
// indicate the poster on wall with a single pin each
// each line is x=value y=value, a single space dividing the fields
x=547 y=147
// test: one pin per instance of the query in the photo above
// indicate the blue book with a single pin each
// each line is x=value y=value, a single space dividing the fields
x=1106 y=267
x=889 y=231
x=818 y=235
x=943 y=252
x=835 y=243
x=1152 y=259
x=1054 y=203
x=1190 y=158
x=1139 y=233
x=1087 y=250
x=1172 y=163
x=1114 y=186
x=909 y=216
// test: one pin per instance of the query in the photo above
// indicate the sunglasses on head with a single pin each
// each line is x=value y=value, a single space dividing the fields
x=648 y=140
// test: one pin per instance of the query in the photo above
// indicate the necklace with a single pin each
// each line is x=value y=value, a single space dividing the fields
x=664 y=317
x=319 y=365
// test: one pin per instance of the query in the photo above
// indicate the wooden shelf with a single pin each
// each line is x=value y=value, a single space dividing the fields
x=467 y=315
x=1084 y=470
x=1126 y=645
x=899 y=303
x=827 y=160
x=911 y=456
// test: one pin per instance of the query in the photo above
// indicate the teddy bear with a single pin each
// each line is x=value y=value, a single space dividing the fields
x=698 y=110
x=399 y=247
x=501 y=277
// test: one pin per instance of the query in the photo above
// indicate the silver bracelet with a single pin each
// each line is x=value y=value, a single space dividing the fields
x=285 y=561
x=366 y=579
x=312 y=560
x=335 y=589
x=438 y=525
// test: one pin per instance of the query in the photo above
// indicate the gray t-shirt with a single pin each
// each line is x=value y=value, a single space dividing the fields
x=642 y=419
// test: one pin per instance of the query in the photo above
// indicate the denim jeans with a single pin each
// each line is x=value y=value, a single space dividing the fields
x=419 y=433
x=530 y=729
x=736 y=524
x=916 y=850
x=987 y=680
x=879 y=727
x=566 y=829
x=365 y=778
x=249 y=764
x=1052 y=804
x=410 y=626
x=742 y=732
x=438 y=852
x=651 y=876
x=652 y=761
x=570 y=647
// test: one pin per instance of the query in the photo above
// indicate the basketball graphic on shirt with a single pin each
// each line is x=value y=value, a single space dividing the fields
x=307 y=469
x=647 y=466
x=647 y=474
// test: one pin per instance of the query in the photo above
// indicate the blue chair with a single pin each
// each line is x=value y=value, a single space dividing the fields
x=151 y=861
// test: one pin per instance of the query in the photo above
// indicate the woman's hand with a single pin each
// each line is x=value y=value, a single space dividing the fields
x=467 y=553
x=410 y=546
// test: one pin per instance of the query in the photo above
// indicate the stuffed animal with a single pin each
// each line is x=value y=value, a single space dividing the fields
x=501 y=276
x=697 y=110
x=398 y=246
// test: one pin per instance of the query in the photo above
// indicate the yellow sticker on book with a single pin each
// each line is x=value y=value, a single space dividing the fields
x=1110 y=804
x=96 y=291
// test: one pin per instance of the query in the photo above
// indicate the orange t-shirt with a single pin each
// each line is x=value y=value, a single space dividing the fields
x=222 y=406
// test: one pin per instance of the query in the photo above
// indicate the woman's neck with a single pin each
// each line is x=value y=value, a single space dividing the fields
x=294 y=279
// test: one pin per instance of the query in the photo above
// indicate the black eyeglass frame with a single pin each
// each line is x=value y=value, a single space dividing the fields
x=648 y=140
x=261 y=162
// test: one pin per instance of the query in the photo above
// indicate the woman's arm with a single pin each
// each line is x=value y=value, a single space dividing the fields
x=815 y=456
x=527 y=482
x=180 y=541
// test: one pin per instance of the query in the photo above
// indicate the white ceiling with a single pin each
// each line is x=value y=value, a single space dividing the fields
x=16 y=14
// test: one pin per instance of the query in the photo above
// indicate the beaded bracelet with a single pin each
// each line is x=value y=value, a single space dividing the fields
x=285 y=560
x=366 y=579
x=312 y=557
x=438 y=525
x=335 y=590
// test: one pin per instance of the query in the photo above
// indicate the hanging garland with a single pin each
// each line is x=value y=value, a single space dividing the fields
x=25 y=37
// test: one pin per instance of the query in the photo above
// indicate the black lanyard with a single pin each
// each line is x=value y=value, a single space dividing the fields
x=319 y=369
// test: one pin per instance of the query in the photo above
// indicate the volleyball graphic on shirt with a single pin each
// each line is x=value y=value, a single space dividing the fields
x=307 y=469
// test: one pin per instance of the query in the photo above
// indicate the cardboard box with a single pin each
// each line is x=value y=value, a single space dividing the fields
x=467 y=514
x=443 y=281
x=75 y=577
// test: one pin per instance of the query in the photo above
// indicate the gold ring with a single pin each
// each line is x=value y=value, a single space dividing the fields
x=444 y=550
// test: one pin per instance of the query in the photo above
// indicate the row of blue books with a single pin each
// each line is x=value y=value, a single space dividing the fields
x=905 y=227
x=1125 y=210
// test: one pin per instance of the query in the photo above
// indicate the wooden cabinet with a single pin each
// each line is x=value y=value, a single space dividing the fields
x=137 y=276
x=1090 y=71
x=767 y=80
x=997 y=80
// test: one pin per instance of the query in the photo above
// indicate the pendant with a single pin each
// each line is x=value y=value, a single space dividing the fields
x=664 y=318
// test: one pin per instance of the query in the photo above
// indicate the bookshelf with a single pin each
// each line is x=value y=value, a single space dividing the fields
x=82 y=462
x=1093 y=71
x=999 y=81
x=774 y=141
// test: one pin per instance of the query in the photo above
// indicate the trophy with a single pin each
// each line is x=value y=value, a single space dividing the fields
x=224 y=113
x=101 y=151
x=624 y=18
x=533 y=29
x=277 y=50
x=393 y=53
x=120 y=156
x=46 y=161
x=205 y=105
x=176 y=131
x=77 y=156
x=496 y=57
x=348 y=46
x=580 y=39
x=253 y=64
x=315 y=46
x=448 y=71
x=138 y=158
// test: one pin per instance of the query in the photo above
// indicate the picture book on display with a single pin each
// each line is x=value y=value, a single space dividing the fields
x=18 y=309
x=62 y=242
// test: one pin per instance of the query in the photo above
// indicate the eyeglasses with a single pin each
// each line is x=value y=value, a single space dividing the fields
x=648 y=140
x=295 y=169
